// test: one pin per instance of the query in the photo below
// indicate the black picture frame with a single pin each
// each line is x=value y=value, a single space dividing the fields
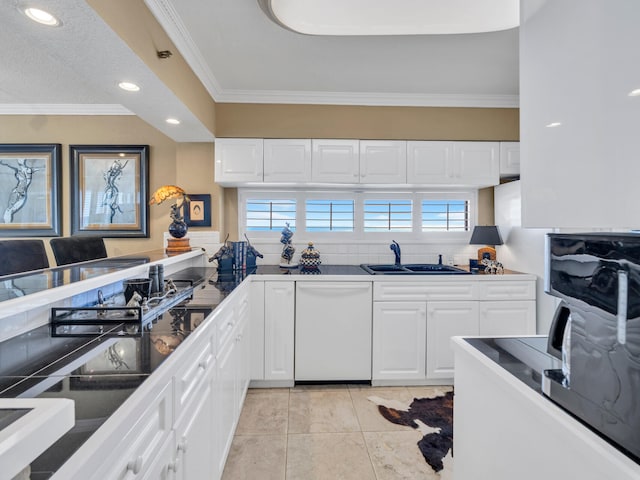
x=110 y=190
x=197 y=212
x=30 y=190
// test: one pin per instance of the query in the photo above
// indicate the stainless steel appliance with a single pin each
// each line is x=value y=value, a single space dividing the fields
x=596 y=332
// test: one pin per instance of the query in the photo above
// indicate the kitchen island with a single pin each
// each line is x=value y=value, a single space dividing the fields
x=177 y=413
x=504 y=428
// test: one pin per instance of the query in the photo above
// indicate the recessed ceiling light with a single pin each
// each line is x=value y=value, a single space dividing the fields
x=173 y=121
x=129 y=87
x=40 y=16
x=400 y=17
x=553 y=124
x=635 y=93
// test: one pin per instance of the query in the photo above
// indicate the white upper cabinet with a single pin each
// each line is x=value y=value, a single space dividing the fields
x=509 y=159
x=578 y=119
x=453 y=163
x=476 y=163
x=287 y=160
x=383 y=161
x=238 y=160
x=335 y=161
x=429 y=162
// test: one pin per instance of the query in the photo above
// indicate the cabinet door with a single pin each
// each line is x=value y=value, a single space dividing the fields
x=225 y=414
x=429 y=162
x=287 y=160
x=195 y=450
x=279 y=318
x=383 y=161
x=335 y=161
x=476 y=163
x=509 y=159
x=399 y=340
x=238 y=160
x=257 y=330
x=165 y=466
x=516 y=317
x=446 y=320
x=243 y=347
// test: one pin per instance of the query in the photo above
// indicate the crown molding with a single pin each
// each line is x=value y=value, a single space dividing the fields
x=63 y=109
x=172 y=24
x=169 y=19
x=370 y=99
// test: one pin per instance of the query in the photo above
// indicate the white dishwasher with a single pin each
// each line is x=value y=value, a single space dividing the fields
x=333 y=331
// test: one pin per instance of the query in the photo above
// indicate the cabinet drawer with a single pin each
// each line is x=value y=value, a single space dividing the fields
x=523 y=290
x=225 y=323
x=138 y=447
x=410 y=291
x=195 y=369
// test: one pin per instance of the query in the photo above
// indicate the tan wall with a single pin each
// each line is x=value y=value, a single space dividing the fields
x=399 y=123
x=396 y=123
x=195 y=173
x=195 y=162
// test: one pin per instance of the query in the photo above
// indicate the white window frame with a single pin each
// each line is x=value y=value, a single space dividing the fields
x=358 y=235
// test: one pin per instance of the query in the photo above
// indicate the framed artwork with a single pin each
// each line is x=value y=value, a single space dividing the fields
x=110 y=190
x=198 y=211
x=30 y=190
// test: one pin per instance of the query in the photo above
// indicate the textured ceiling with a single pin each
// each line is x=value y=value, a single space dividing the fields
x=241 y=55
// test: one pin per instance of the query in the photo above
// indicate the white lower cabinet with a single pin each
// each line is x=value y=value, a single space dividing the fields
x=446 y=320
x=165 y=466
x=413 y=323
x=507 y=317
x=279 y=324
x=399 y=340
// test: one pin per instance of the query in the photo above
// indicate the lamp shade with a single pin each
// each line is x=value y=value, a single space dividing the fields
x=486 y=235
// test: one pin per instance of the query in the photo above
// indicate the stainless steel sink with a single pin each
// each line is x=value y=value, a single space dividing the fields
x=413 y=269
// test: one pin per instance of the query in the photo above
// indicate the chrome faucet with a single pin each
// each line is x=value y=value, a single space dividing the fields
x=396 y=250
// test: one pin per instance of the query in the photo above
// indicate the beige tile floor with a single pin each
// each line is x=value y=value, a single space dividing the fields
x=328 y=433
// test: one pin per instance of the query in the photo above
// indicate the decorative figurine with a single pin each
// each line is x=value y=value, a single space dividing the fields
x=310 y=258
x=288 y=250
x=252 y=255
x=224 y=257
x=492 y=266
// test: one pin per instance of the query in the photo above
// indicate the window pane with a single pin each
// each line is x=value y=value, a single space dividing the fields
x=329 y=215
x=387 y=216
x=445 y=215
x=265 y=215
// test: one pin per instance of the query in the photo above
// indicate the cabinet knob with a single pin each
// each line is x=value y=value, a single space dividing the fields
x=135 y=465
x=173 y=466
x=202 y=364
x=182 y=445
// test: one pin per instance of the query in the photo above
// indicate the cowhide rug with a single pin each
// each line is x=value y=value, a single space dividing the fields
x=432 y=416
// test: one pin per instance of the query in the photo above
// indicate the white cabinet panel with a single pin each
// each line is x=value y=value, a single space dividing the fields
x=238 y=160
x=333 y=331
x=509 y=159
x=582 y=172
x=508 y=318
x=508 y=290
x=257 y=330
x=335 y=161
x=476 y=163
x=287 y=160
x=434 y=290
x=399 y=340
x=429 y=162
x=279 y=320
x=383 y=161
x=446 y=320
x=225 y=414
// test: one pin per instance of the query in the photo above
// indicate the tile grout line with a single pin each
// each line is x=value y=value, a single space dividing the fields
x=364 y=440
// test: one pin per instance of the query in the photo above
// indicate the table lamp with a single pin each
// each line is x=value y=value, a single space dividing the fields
x=178 y=243
x=487 y=235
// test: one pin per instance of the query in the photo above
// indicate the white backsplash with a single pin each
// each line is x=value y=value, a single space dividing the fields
x=355 y=254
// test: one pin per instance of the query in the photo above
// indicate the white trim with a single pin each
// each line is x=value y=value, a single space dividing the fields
x=172 y=24
x=368 y=99
x=63 y=109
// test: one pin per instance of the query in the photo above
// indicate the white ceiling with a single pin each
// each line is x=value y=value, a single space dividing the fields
x=241 y=55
